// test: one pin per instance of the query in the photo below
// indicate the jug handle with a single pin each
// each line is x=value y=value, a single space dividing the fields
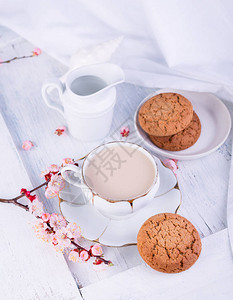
x=54 y=83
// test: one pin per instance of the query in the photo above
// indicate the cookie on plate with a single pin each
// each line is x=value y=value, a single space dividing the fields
x=182 y=140
x=169 y=243
x=165 y=114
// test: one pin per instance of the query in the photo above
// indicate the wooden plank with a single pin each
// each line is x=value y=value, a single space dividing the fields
x=30 y=268
x=211 y=275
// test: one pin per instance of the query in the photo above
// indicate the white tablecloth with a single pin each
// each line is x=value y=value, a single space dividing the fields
x=179 y=44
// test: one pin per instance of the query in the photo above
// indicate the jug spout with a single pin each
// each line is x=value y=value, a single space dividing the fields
x=112 y=74
x=106 y=75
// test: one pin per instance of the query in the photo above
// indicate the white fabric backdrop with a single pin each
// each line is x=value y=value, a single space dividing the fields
x=165 y=41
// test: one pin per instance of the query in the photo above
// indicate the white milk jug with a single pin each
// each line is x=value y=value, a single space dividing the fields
x=88 y=97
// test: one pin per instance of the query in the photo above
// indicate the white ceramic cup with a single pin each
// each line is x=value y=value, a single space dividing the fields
x=89 y=116
x=108 y=207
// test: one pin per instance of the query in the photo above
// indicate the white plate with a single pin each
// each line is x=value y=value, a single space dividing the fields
x=215 y=121
x=110 y=232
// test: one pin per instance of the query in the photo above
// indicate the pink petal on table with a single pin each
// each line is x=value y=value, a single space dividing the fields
x=60 y=130
x=27 y=145
x=171 y=164
x=125 y=131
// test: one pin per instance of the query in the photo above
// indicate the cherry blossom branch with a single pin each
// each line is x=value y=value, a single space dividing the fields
x=21 y=205
x=100 y=258
x=54 y=228
x=14 y=58
x=35 y=52
x=14 y=200
x=47 y=177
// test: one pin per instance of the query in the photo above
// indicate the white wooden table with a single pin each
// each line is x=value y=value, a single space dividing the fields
x=30 y=269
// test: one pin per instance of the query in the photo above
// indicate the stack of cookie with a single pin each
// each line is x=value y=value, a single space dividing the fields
x=170 y=121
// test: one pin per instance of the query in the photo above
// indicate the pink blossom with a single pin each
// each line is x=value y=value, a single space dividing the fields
x=53 y=168
x=36 y=208
x=45 y=217
x=59 y=248
x=54 y=240
x=62 y=238
x=45 y=236
x=97 y=250
x=1 y=61
x=67 y=161
x=74 y=256
x=55 y=185
x=36 y=52
x=73 y=230
x=50 y=194
x=27 y=145
x=41 y=232
x=43 y=173
x=39 y=224
x=171 y=164
x=100 y=267
x=125 y=131
x=57 y=221
x=60 y=130
x=84 y=256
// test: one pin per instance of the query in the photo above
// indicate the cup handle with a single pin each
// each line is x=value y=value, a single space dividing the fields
x=55 y=83
x=77 y=173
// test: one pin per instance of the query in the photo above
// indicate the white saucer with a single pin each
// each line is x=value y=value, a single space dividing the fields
x=215 y=121
x=111 y=232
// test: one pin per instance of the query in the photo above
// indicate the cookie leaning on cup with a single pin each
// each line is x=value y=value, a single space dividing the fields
x=169 y=243
x=182 y=140
x=165 y=114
